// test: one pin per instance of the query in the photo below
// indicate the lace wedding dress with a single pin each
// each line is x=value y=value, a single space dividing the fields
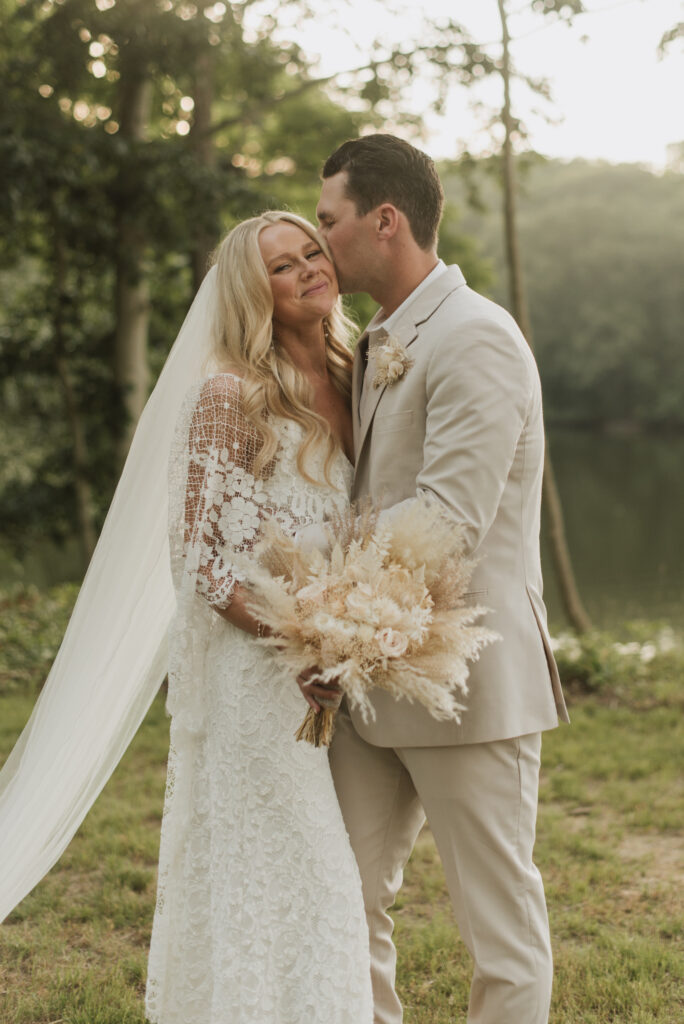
x=259 y=916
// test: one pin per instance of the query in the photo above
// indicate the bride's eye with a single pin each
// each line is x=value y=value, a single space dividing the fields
x=281 y=266
x=314 y=252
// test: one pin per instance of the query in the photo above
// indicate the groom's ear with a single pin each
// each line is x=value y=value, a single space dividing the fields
x=387 y=219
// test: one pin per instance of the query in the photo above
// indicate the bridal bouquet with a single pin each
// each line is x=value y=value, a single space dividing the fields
x=385 y=608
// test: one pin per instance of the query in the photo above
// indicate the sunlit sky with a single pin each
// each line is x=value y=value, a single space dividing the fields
x=613 y=98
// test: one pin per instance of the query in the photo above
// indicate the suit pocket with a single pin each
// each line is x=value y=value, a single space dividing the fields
x=389 y=422
x=473 y=597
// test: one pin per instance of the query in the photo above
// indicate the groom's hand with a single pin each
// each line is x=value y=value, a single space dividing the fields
x=314 y=690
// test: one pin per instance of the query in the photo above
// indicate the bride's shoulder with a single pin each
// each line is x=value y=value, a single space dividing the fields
x=223 y=379
x=219 y=387
x=218 y=396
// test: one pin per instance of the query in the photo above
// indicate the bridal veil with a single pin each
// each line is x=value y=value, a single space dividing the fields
x=113 y=657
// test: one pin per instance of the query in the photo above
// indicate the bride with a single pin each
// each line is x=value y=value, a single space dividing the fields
x=259 y=914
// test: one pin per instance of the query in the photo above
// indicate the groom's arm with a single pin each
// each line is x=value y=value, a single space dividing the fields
x=480 y=386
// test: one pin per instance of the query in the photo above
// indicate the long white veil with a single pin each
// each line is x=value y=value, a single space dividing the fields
x=113 y=656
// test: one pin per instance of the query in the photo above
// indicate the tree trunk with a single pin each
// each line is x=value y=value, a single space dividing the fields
x=554 y=511
x=132 y=286
x=87 y=532
x=202 y=142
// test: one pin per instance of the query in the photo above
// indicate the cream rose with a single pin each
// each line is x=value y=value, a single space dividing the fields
x=391 y=642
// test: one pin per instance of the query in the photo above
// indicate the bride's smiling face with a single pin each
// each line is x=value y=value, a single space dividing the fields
x=302 y=278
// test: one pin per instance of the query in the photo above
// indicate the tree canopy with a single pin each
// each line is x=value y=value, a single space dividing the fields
x=133 y=133
x=603 y=250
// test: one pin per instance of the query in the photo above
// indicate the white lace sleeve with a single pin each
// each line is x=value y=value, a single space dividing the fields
x=224 y=503
x=216 y=511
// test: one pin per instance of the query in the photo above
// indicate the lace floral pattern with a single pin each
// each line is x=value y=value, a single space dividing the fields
x=259 y=917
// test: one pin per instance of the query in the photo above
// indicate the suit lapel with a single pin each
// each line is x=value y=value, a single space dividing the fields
x=406 y=333
x=427 y=303
x=406 y=330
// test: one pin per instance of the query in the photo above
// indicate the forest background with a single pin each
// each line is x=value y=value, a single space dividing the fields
x=133 y=133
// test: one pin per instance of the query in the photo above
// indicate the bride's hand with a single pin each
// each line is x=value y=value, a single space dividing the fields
x=314 y=690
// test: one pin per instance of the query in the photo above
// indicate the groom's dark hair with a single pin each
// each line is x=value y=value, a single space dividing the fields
x=384 y=169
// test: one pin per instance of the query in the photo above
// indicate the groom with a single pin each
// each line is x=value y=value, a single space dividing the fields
x=462 y=425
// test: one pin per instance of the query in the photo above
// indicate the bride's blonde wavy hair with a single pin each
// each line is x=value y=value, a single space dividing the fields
x=244 y=344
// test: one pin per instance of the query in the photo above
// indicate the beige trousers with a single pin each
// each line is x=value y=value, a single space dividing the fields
x=481 y=804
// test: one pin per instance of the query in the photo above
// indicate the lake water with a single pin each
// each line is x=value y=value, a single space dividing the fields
x=623 y=499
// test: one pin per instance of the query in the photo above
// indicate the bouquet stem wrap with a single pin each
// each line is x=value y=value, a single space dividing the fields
x=386 y=608
x=318 y=727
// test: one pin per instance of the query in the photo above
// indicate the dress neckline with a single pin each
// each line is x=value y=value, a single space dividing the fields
x=235 y=376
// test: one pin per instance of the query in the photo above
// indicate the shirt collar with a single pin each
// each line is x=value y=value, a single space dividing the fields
x=392 y=319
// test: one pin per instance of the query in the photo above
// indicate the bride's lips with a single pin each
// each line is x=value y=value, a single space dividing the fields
x=315 y=289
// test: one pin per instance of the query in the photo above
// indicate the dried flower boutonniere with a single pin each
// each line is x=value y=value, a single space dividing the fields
x=391 y=362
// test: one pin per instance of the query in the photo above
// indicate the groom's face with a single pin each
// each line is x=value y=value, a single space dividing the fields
x=349 y=236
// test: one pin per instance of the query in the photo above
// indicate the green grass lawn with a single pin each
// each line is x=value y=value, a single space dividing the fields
x=609 y=847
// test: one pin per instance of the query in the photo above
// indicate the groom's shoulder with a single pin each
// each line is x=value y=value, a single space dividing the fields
x=469 y=329
x=463 y=305
x=466 y=316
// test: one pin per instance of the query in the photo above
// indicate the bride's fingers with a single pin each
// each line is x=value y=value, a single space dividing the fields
x=326 y=689
x=311 y=701
x=305 y=687
x=311 y=692
x=312 y=677
x=308 y=675
x=316 y=690
x=323 y=693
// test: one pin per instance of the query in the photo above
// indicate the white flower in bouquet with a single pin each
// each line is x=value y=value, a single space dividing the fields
x=391 y=642
x=311 y=592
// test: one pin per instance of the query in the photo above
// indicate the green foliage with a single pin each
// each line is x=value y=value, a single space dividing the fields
x=69 y=177
x=671 y=36
x=603 y=253
x=75 y=174
x=32 y=625
x=622 y=669
x=455 y=246
x=561 y=7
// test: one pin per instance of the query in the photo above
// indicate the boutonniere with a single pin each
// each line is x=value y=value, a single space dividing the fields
x=391 y=362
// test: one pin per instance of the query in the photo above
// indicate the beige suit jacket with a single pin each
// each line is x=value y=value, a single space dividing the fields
x=464 y=426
